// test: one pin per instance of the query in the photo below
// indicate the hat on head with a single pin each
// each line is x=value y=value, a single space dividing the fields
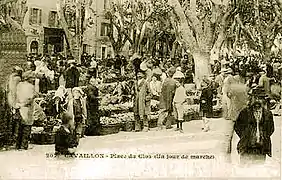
x=149 y=63
x=141 y=73
x=229 y=71
x=17 y=68
x=223 y=70
x=207 y=81
x=144 y=66
x=37 y=63
x=258 y=91
x=157 y=71
x=178 y=75
x=178 y=69
x=61 y=91
x=135 y=56
x=29 y=76
x=224 y=62
x=78 y=89
x=71 y=61
x=171 y=71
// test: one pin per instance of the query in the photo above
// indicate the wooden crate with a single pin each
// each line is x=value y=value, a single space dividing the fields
x=43 y=138
x=128 y=126
x=109 y=129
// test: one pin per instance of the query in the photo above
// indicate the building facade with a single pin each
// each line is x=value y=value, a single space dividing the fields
x=42 y=27
x=44 y=34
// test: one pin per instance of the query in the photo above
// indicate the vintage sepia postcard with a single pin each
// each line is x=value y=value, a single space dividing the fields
x=140 y=89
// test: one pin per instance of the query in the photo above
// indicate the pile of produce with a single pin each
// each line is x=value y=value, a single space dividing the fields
x=217 y=108
x=124 y=117
x=107 y=88
x=190 y=89
x=110 y=76
x=110 y=79
x=50 y=123
x=109 y=121
x=37 y=130
x=124 y=107
x=191 y=109
x=109 y=99
x=154 y=105
x=154 y=115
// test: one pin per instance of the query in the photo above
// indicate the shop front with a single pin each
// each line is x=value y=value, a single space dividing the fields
x=53 y=40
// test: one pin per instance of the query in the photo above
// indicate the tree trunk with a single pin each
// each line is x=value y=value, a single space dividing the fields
x=184 y=31
x=215 y=51
x=64 y=25
x=174 y=48
x=202 y=66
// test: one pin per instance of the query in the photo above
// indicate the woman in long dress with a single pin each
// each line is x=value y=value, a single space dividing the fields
x=238 y=92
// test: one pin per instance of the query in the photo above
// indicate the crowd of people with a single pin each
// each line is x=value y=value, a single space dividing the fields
x=243 y=86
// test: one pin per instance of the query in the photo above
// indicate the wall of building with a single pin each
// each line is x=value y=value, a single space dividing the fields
x=92 y=36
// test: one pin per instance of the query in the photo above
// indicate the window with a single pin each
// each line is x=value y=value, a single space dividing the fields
x=34 y=47
x=104 y=53
x=35 y=16
x=104 y=29
x=53 y=19
x=105 y=4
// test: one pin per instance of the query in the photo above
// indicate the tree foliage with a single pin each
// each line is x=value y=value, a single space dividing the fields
x=71 y=17
x=255 y=23
x=12 y=13
x=139 y=23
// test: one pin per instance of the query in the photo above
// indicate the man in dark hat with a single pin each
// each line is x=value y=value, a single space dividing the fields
x=142 y=102
x=254 y=126
x=72 y=75
x=166 y=99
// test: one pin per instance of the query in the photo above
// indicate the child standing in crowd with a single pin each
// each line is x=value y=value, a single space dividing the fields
x=156 y=87
x=64 y=143
x=77 y=108
x=206 y=106
x=179 y=99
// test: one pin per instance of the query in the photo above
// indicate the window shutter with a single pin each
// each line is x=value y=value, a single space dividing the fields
x=40 y=16
x=102 y=29
x=49 y=18
x=30 y=16
x=56 y=20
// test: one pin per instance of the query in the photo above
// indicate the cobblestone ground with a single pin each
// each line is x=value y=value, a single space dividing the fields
x=33 y=164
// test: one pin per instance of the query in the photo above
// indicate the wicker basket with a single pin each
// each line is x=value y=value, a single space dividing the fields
x=43 y=138
x=188 y=117
x=128 y=126
x=153 y=123
x=217 y=114
x=109 y=129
